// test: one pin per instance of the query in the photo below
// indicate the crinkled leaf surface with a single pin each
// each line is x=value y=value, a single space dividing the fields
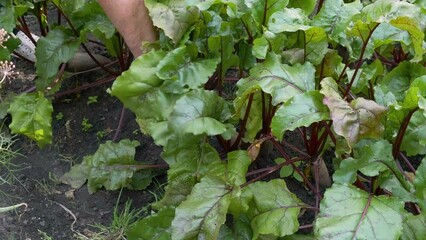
x=341 y=215
x=189 y=159
x=204 y=211
x=32 y=117
x=174 y=17
x=152 y=111
x=281 y=80
x=112 y=166
x=153 y=227
x=301 y=110
x=59 y=46
x=200 y=112
x=356 y=120
x=277 y=209
x=179 y=67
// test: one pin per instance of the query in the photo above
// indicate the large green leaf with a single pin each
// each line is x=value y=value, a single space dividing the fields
x=112 y=166
x=204 y=211
x=138 y=79
x=32 y=116
x=277 y=209
x=59 y=46
x=350 y=213
x=301 y=110
x=153 y=227
x=174 y=17
x=200 y=112
x=183 y=71
x=335 y=17
x=190 y=159
x=288 y=20
x=281 y=80
x=386 y=10
x=263 y=9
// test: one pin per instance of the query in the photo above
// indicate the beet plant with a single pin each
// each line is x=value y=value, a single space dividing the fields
x=346 y=77
x=229 y=80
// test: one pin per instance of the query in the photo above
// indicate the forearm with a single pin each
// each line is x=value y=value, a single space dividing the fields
x=131 y=19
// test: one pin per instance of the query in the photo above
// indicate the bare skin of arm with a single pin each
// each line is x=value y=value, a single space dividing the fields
x=131 y=19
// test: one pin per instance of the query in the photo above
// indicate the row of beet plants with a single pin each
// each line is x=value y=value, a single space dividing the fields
x=228 y=79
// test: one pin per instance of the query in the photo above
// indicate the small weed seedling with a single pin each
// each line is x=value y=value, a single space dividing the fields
x=44 y=235
x=92 y=100
x=86 y=125
x=59 y=116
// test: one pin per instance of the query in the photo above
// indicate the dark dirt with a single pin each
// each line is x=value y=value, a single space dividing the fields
x=36 y=182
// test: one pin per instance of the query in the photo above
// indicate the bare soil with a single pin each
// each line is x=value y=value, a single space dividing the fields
x=36 y=183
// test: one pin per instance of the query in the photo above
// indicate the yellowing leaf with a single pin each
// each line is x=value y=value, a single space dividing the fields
x=356 y=120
